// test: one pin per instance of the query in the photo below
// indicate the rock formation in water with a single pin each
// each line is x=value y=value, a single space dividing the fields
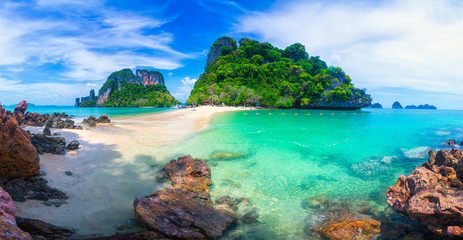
x=376 y=105
x=426 y=106
x=124 y=89
x=397 y=105
x=185 y=210
x=18 y=157
x=259 y=74
x=433 y=193
x=8 y=228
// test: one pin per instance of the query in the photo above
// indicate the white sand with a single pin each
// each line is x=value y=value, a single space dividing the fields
x=113 y=165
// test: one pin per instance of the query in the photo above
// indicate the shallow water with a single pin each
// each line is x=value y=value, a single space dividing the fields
x=283 y=157
x=276 y=158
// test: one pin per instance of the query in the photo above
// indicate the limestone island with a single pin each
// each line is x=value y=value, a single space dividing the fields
x=259 y=74
x=124 y=89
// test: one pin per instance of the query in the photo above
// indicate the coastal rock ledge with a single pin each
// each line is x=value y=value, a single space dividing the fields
x=433 y=193
x=185 y=210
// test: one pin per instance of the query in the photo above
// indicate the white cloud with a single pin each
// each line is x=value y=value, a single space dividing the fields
x=184 y=90
x=399 y=44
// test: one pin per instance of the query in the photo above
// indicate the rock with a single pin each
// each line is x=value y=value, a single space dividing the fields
x=46 y=131
x=183 y=210
x=218 y=46
x=68 y=173
x=426 y=106
x=44 y=144
x=147 y=235
x=241 y=208
x=73 y=145
x=146 y=77
x=31 y=188
x=227 y=156
x=433 y=194
x=103 y=119
x=42 y=230
x=18 y=157
x=341 y=224
x=21 y=107
x=56 y=134
x=77 y=103
x=103 y=96
x=450 y=142
x=376 y=105
x=55 y=120
x=397 y=105
x=8 y=228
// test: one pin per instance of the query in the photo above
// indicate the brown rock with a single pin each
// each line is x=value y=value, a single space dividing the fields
x=18 y=157
x=8 y=228
x=21 y=107
x=341 y=224
x=183 y=210
x=40 y=229
x=432 y=194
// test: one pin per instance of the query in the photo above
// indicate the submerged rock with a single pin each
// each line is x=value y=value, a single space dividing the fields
x=42 y=230
x=18 y=157
x=433 y=194
x=342 y=224
x=8 y=228
x=184 y=210
x=227 y=156
x=44 y=144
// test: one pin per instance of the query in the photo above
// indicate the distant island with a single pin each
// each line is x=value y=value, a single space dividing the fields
x=259 y=74
x=397 y=105
x=426 y=106
x=376 y=105
x=124 y=89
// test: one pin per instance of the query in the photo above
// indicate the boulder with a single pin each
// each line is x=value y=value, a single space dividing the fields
x=8 y=228
x=73 y=145
x=21 y=107
x=46 y=131
x=103 y=119
x=32 y=188
x=184 y=210
x=91 y=121
x=44 y=144
x=42 y=230
x=450 y=142
x=433 y=194
x=18 y=157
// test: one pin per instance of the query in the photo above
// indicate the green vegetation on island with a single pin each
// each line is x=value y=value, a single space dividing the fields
x=259 y=74
x=125 y=89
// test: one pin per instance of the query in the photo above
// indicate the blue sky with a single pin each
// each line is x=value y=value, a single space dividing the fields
x=53 y=51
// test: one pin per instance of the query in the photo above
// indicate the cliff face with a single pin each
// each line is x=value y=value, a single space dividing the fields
x=146 y=77
x=104 y=96
x=223 y=43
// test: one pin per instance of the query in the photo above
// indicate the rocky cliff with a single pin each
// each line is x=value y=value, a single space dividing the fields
x=221 y=46
x=146 y=77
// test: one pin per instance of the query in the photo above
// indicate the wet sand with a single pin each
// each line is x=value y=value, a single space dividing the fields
x=114 y=164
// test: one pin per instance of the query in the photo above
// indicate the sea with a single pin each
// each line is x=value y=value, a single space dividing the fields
x=284 y=160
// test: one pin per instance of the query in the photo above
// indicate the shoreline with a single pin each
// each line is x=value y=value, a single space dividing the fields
x=113 y=165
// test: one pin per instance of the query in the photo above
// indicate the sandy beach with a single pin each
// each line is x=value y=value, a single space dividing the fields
x=115 y=163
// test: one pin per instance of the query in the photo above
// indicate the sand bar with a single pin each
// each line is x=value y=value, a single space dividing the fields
x=114 y=164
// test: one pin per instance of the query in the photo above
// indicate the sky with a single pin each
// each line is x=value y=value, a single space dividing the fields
x=53 y=51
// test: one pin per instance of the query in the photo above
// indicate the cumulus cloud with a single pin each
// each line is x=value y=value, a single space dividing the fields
x=407 y=44
x=184 y=90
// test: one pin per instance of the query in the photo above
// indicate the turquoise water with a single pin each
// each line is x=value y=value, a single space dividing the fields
x=80 y=112
x=280 y=158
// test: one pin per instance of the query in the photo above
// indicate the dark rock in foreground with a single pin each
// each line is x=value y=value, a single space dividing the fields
x=46 y=131
x=433 y=193
x=42 y=230
x=32 y=188
x=44 y=144
x=8 y=228
x=18 y=157
x=397 y=105
x=184 y=210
